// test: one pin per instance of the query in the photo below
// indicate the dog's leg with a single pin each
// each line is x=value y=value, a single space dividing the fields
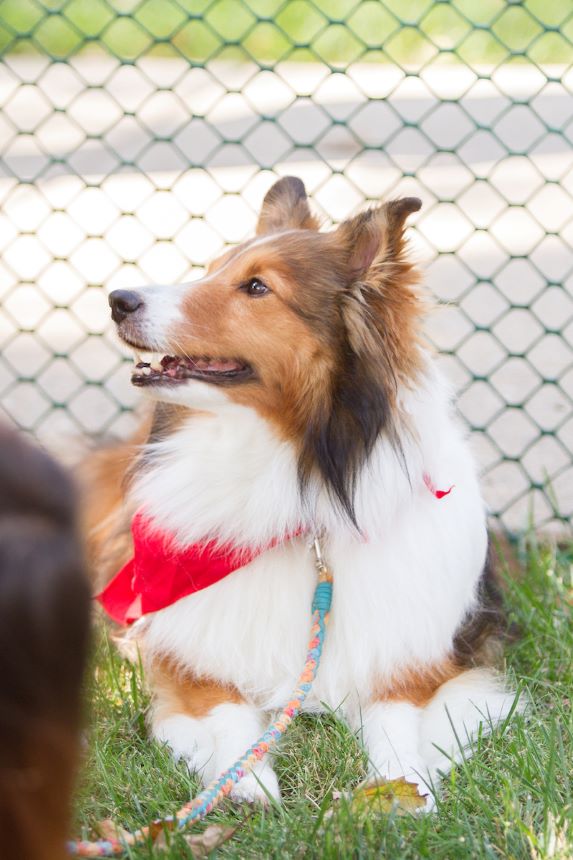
x=188 y=738
x=392 y=726
x=473 y=702
x=235 y=728
x=420 y=737
x=209 y=726
x=391 y=735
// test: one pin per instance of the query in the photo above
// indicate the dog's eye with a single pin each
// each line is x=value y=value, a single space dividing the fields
x=255 y=288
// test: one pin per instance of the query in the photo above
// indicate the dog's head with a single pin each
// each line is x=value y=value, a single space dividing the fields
x=313 y=330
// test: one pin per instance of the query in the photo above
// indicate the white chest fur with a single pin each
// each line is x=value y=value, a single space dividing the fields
x=400 y=591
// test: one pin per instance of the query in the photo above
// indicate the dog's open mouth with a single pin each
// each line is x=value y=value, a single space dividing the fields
x=174 y=369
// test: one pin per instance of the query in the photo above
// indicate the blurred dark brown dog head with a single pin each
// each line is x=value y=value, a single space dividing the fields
x=44 y=622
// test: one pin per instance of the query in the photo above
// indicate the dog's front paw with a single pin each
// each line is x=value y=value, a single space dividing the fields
x=259 y=786
x=188 y=739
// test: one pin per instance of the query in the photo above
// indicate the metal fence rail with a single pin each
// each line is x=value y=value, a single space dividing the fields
x=137 y=138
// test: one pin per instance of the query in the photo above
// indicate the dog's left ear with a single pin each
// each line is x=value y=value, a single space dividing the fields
x=285 y=207
x=375 y=235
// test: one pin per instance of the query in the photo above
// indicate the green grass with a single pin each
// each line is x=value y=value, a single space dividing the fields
x=513 y=799
x=335 y=31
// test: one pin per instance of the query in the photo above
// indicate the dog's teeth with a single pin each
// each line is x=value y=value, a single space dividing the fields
x=146 y=371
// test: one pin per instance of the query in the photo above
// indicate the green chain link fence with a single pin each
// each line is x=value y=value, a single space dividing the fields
x=137 y=138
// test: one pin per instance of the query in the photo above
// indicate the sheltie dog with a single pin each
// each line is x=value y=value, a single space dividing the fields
x=295 y=397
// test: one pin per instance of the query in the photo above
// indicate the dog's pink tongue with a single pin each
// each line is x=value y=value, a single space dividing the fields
x=219 y=365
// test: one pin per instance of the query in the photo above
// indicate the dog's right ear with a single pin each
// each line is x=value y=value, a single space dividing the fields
x=285 y=207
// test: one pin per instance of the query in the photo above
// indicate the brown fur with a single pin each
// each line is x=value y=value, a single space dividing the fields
x=418 y=686
x=179 y=692
x=105 y=521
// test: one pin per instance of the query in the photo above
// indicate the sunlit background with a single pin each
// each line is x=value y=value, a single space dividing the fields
x=137 y=139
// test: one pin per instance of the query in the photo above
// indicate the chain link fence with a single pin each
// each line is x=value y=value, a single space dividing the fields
x=137 y=138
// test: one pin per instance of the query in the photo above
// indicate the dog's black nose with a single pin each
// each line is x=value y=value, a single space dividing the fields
x=123 y=303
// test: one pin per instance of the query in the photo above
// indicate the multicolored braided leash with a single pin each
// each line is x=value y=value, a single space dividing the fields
x=211 y=796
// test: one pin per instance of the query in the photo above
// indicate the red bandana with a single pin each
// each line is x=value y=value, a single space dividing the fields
x=160 y=573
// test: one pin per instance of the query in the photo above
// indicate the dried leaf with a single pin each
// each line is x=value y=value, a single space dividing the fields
x=382 y=795
x=157 y=829
x=160 y=841
x=387 y=795
x=201 y=844
x=108 y=829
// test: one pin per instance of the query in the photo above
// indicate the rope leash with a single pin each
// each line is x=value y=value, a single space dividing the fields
x=212 y=795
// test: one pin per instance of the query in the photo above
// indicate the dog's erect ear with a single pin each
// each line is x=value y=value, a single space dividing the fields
x=285 y=207
x=375 y=235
